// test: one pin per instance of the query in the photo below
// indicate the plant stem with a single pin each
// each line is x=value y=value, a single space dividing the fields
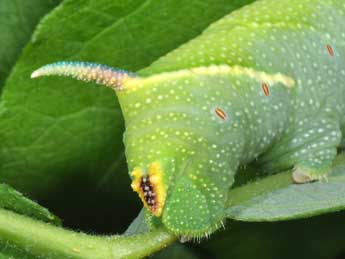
x=44 y=240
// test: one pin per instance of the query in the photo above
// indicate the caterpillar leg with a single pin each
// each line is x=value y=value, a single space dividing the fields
x=315 y=167
x=315 y=158
x=310 y=149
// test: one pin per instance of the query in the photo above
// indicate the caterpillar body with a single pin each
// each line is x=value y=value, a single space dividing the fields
x=265 y=82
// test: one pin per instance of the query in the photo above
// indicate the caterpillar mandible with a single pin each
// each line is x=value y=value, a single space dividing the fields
x=265 y=82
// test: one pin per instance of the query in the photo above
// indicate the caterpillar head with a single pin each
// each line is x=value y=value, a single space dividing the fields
x=178 y=156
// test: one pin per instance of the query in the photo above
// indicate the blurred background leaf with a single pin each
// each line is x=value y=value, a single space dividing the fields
x=320 y=237
x=18 y=19
x=177 y=251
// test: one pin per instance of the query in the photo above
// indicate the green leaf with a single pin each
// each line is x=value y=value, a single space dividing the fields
x=9 y=251
x=277 y=198
x=138 y=226
x=17 y=21
x=47 y=241
x=320 y=237
x=12 y=200
x=52 y=130
x=176 y=251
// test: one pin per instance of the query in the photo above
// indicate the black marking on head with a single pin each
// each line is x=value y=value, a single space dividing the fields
x=148 y=192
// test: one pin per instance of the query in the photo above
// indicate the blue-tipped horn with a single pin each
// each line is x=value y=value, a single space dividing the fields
x=86 y=71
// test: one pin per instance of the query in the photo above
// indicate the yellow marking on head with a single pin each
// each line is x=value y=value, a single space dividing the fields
x=153 y=181
x=137 y=175
x=156 y=178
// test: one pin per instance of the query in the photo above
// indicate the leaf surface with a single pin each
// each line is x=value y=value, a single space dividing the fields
x=12 y=200
x=17 y=21
x=320 y=237
x=276 y=198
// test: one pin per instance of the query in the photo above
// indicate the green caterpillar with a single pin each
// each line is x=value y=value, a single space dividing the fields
x=265 y=82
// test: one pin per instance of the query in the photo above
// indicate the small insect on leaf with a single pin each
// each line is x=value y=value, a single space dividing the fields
x=220 y=113
x=265 y=88
x=330 y=50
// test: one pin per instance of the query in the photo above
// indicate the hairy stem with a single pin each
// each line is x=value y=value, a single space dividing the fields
x=48 y=241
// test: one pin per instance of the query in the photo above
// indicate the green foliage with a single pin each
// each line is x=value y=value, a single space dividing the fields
x=42 y=240
x=17 y=21
x=10 y=199
x=276 y=198
x=62 y=142
x=138 y=225
x=8 y=250
x=320 y=237
x=176 y=251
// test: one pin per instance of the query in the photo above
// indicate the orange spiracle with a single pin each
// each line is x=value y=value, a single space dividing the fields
x=330 y=50
x=220 y=113
x=265 y=88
